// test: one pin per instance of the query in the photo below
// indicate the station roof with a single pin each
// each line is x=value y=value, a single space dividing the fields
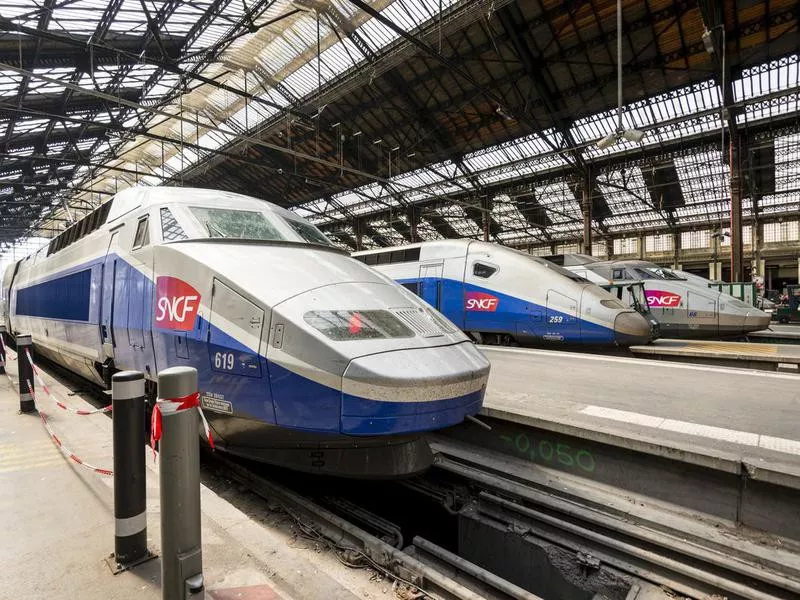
x=356 y=113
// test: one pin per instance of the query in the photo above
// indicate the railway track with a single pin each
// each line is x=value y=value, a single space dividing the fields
x=515 y=538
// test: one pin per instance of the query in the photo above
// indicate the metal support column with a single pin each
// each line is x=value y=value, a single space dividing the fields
x=413 y=221
x=737 y=267
x=758 y=248
x=359 y=231
x=179 y=471
x=609 y=248
x=485 y=213
x=586 y=207
x=676 y=249
x=26 y=385
x=130 y=500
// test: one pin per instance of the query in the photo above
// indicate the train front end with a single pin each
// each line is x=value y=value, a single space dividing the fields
x=315 y=362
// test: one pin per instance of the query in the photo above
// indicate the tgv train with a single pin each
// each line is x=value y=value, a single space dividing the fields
x=684 y=307
x=499 y=295
x=306 y=357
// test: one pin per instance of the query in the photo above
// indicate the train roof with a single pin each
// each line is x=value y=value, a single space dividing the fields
x=570 y=259
x=441 y=245
x=132 y=198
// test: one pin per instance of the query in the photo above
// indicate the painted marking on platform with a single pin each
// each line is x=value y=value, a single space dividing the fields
x=745 y=438
x=640 y=362
x=255 y=592
x=735 y=348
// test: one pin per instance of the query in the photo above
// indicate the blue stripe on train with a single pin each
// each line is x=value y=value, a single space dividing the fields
x=269 y=392
x=513 y=316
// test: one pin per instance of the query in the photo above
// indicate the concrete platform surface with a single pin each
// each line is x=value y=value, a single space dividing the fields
x=790 y=333
x=773 y=353
x=58 y=524
x=733 y=413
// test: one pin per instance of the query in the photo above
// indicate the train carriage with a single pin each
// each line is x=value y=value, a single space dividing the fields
x=499 y=295
x=306 y=357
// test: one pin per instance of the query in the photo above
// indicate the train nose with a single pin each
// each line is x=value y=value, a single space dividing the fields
x=631 y=328
x=419 y=389
x=756 y=320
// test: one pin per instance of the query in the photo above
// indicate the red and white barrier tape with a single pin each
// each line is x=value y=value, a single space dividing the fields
x=5 y=353
x=64 y=450
x=59 y=404
x=175 y=405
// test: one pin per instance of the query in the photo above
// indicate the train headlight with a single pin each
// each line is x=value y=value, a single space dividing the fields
x=344 y=325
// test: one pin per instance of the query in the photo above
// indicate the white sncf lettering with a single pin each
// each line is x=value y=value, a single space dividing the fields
x=175 y=309
x=481 y=303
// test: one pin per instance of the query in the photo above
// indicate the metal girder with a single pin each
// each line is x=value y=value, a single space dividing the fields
x=532 y=65
x=56 y=54
x=440 y=224
x=455 y=69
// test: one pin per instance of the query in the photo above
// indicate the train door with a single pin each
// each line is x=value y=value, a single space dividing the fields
x=235 y=336
x=702 y=311
x=430 y=285
x=107 y=299
x=561 y=320
x=234 y=349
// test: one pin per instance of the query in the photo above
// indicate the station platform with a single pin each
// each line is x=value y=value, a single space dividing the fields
x=719 y=441
x=735 y=411
x=768 y=357
x=776 y=334
x=58 y=522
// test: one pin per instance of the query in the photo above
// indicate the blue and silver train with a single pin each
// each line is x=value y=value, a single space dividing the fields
x=500 y=296
x=306 y=357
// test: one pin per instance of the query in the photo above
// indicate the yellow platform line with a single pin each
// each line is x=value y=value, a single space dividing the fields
x=732 y=348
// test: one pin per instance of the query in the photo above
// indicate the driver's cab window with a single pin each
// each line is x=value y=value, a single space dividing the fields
x=142 y=237
x=618 y=274
x=483 y=270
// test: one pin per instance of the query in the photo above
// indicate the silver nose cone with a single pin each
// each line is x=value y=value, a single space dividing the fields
x=756 y=320
x=631 y=328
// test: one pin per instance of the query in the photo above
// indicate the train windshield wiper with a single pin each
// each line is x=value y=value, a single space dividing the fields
x=212 y=228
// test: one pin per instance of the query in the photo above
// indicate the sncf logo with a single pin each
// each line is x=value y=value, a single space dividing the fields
x=176 y=304
x=660 y=299
x=480 y=301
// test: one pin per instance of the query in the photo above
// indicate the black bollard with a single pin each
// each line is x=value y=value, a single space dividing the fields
x=26 y=386
x=2 y=349
x=130 y=499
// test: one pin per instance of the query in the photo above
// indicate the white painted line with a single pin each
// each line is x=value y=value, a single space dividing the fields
x=745 y=438
x=641 y=362
x=623 y=415
x=708 y=431
x=779 y=444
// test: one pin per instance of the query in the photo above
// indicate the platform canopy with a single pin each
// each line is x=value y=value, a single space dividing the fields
x=390 y=120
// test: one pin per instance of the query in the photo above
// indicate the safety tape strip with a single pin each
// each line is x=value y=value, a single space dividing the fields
x=59 y=404
x=6 y=352
x=176 y=405
x=64 y=450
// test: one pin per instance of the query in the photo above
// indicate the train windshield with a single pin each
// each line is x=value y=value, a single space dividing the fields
x=654 y=273
x=554 y=267
x=308 y=232
x=240 y=224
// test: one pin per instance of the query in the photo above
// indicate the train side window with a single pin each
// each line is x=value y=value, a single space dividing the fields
x=142 y=237
x=482 y=270
x=170 y=228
